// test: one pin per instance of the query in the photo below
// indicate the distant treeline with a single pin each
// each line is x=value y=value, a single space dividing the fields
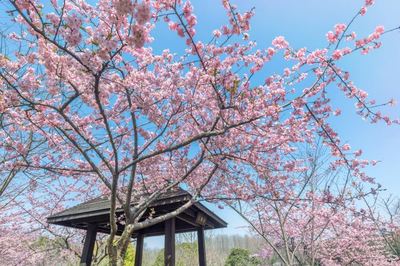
x=218 y=248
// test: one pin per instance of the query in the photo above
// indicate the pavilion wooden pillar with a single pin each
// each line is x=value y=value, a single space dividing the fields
x=139 y=250
x=90 y=239
x=169 y=243
x=201 y=247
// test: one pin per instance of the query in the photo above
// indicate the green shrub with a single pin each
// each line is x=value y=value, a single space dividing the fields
x=241 y=257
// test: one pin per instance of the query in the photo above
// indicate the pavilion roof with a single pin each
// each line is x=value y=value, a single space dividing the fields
x=98 y=210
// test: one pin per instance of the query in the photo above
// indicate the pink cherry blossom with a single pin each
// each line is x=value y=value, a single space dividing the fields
x=363 y=11
x=369 y=2
x=346 y=147
x=280 y=42
x=142 y=13
x=331 y=37
x=339 y=28
x=337 y=54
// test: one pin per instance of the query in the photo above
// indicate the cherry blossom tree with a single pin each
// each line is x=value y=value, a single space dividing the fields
x=316 y=218
x=28 y=199
x=106 y=108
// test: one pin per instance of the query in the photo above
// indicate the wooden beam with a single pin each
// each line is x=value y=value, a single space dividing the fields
x=90 y=239
x=139 y=250
x=187 y=219
x=169 y=243
x=201 y=247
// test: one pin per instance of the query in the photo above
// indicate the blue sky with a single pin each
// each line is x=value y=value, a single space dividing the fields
x=305 y=23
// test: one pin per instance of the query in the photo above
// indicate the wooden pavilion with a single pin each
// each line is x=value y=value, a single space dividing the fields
x=94 y=215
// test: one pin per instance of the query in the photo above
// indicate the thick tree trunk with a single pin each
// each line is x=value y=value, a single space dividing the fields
x=112 y=254
x=116 y=255
x=123 y=244
x=117 y=248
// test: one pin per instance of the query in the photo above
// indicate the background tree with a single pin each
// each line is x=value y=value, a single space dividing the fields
x=186 y=254
x=241 y=257
x=322 y=216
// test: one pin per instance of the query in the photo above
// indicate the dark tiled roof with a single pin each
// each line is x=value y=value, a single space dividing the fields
x=103 y=203
x=98 y=210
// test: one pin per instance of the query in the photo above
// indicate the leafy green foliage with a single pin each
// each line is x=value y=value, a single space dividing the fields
x=241 y=257
x=130 y=255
